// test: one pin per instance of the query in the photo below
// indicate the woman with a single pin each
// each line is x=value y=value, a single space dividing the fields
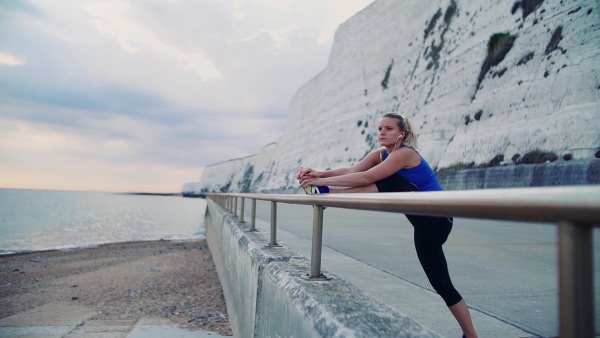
x=397 y=168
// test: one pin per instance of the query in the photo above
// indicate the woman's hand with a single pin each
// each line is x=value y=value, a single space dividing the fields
x=304 y=172
x=308 y=176
x=310 y=180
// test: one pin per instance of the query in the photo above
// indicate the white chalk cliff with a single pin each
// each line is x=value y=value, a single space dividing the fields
x=481 y=80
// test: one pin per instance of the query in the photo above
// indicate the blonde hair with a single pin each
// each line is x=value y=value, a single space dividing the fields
x=410 y=139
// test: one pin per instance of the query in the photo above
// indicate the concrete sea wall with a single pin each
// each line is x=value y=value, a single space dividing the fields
x=268 y=294
x=583 y=172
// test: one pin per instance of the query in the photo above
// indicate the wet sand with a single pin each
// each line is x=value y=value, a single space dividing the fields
x=176 y=280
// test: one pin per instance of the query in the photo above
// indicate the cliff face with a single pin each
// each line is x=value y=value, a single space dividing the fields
x=239 y=175
x=484 y=83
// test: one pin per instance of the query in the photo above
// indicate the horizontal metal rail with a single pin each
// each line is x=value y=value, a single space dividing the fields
x=575 y=209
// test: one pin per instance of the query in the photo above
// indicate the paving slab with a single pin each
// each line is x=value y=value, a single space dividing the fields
x=168 y=331
x=102 y=329
x=35 y=331
x=64 y=320
x=51 y=314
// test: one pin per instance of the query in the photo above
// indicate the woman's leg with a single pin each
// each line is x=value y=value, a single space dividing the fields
x=364 y=188
x=430 y=234
x=463 y=317
x=393 y=183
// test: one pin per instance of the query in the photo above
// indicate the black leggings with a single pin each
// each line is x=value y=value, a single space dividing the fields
x=430 y=234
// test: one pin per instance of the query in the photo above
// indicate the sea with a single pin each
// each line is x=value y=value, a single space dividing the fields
x=36 y=220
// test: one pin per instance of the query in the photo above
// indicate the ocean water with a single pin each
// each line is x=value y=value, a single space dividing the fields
x=33 y=220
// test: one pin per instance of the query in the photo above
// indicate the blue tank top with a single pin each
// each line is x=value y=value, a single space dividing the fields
x=422 y=175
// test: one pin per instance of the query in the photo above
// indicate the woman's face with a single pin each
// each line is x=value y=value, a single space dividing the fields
x=389 y=132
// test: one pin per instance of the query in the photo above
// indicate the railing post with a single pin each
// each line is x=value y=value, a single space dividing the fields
x=576 y=281
x=273 y=237
x=235 y=199
x=317 y=244
x=242 y=209
x=253 y=216
x=317 y=241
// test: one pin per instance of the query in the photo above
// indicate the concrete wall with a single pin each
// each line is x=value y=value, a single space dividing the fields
x=268 y=294
x=582 y=172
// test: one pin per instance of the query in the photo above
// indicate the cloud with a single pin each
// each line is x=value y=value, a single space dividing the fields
x=10 y=60
x=168 y=85
x=111 y=18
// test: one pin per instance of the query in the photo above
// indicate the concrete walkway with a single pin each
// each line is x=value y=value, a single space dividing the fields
x=66 y=320
x=506 y=271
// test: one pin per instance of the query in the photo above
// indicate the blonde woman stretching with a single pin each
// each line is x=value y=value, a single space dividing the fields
x=398 y=167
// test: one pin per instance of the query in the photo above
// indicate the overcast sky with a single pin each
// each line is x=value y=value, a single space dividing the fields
x=141 y=95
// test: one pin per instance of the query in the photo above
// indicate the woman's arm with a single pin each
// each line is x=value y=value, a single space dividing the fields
x=369 y=161
x=399 y=159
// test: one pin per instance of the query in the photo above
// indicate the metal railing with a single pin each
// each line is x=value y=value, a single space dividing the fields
x=575 y=210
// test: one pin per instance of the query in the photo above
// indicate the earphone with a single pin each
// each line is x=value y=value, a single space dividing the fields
x=396 y=143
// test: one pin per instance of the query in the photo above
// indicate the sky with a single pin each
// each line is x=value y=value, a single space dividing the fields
x=139 y=96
